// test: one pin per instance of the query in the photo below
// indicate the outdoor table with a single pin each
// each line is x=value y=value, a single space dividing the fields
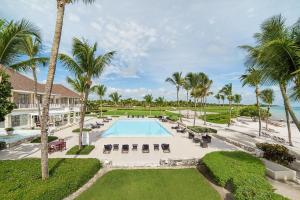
x=58 y=146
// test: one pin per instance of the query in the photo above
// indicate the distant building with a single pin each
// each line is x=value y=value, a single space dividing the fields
x=64 y=105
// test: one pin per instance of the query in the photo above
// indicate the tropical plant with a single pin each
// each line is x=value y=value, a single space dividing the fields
x=160 y=101
x=222 y=97
x=253 y=78
x=100 y=91
x=87 y=64
x=12 y=35
x=237 y=98
x=60 y=5
x=148 y=99
x=227 y=91
x=5 y=93
x=177 y=80
x=115 y=97
x=277 y=56
x=31 y=47
x=218 y=97
x=267 y=96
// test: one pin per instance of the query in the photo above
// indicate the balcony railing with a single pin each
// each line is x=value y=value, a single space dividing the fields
x=33 y=106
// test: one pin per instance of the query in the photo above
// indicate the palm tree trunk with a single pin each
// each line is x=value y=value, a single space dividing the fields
x=35 y=92
x=194 y=112
x=177 y=91
x=258 y=110
x=48 y=89
x=82 y=115
x=204 y=104
x=101 y=107
x=187 y=101
x=267 y=120
x=286 y=107
x=229 y=122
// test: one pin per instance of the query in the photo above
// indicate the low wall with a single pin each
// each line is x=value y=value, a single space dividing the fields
x=279 y=172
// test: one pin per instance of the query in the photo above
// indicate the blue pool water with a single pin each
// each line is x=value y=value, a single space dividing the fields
x=136 y=128
x=17 y=135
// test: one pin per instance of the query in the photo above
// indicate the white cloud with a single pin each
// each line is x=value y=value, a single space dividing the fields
x=74 y=18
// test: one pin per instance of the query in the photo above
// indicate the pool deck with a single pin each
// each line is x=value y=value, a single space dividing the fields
x=181 y=147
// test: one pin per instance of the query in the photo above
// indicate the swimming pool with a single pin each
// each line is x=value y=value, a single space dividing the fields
x=17 y=135
x=136 y=128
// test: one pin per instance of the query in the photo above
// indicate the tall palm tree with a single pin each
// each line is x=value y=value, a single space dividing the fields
x=31 y=47
x=160 y=102
x=222 y=97
x=193 y=80
x=60 y=4
x=148 y=99
x=177 y=80
x=218 y=97
x=237 y=98
x=100 y=91
x=115 y=97
x=267 y=96
x=253 y=78
x=12 y=35
x=85 y=63
x=186 y=86
x=227 y=91
x=277 y=54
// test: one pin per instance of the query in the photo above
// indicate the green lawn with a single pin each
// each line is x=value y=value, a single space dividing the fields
x=85 y=150
x=159 y=184
x=21 y=179
x=244 y=172
x=38 y=139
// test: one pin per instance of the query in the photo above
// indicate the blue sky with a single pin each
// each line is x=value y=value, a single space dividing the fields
x=155 y=38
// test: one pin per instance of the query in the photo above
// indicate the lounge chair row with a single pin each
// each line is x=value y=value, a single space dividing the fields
x=99 y=124
x=135 y=116
x=125 y=148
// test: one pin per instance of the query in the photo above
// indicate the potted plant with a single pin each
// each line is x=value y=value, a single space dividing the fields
x=9 y=131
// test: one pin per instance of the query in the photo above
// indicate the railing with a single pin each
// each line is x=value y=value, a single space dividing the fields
x=33 y=106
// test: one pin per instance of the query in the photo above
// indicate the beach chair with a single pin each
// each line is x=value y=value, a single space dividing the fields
x=99 y=124
x=156 y=147
x=145 y=148
x=134 y=147
x=203 y=144
x=175 y=127
x=206 y=138
x=107 y=148
x=109 y=118
x=191 y=135
x=125 y=148
x=116 y=147
x=165 y=148
x=196 y=139
x=105 y=120
x=181 y=130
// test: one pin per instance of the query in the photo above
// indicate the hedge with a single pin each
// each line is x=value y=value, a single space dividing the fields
x=85 y=150
x=38 y=139
x=77 y=130
x=241 y=172
x=21 y=179
x=200 y=129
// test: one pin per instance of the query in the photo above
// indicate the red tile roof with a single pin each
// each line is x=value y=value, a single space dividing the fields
x=23 y=83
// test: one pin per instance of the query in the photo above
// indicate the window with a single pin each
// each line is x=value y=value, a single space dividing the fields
x=19 y=120
x=23 y=98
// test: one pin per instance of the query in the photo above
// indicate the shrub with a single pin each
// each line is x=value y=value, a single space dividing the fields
x=85 y=150
x=9 y=129
x=21 y=179
x=38 y=139
x=77 y=130
x=251 y=111
x=200 y=129
x=277 y=153
x=2 y=145
x=173 y=118
x=241 y=172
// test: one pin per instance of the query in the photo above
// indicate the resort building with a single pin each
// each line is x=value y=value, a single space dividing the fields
x=64 y=104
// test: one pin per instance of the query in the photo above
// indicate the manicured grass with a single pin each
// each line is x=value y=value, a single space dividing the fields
x=138 y=112
x=160 y=184
x=85 y=150
x=243 y=172
x=50 y=139
x=21 y=179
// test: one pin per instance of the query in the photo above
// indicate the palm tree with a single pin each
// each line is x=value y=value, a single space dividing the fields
x=100 y=91
x=148 y=99
x=160 y=102
x=50 y=77
x=31 y=47
x=177 y=80
x=253 y=78
x=187 y=88
x=193 y=80
x=222 y=98
x=267 y=96
x=277 y=55
x=85 y=63
x=218 y=97
x=237 y=98
x=227 y=91
x=12 y=36
x=115 y=97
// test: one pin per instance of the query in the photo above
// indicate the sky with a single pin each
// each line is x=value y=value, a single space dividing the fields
x=155 y=38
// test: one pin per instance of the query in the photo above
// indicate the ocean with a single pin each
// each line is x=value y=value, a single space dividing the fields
x=278 y=112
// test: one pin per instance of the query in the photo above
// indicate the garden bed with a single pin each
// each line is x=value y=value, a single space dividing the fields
x=38 y=139
x=85 y=150
x=241 y=173
x=21 y=179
